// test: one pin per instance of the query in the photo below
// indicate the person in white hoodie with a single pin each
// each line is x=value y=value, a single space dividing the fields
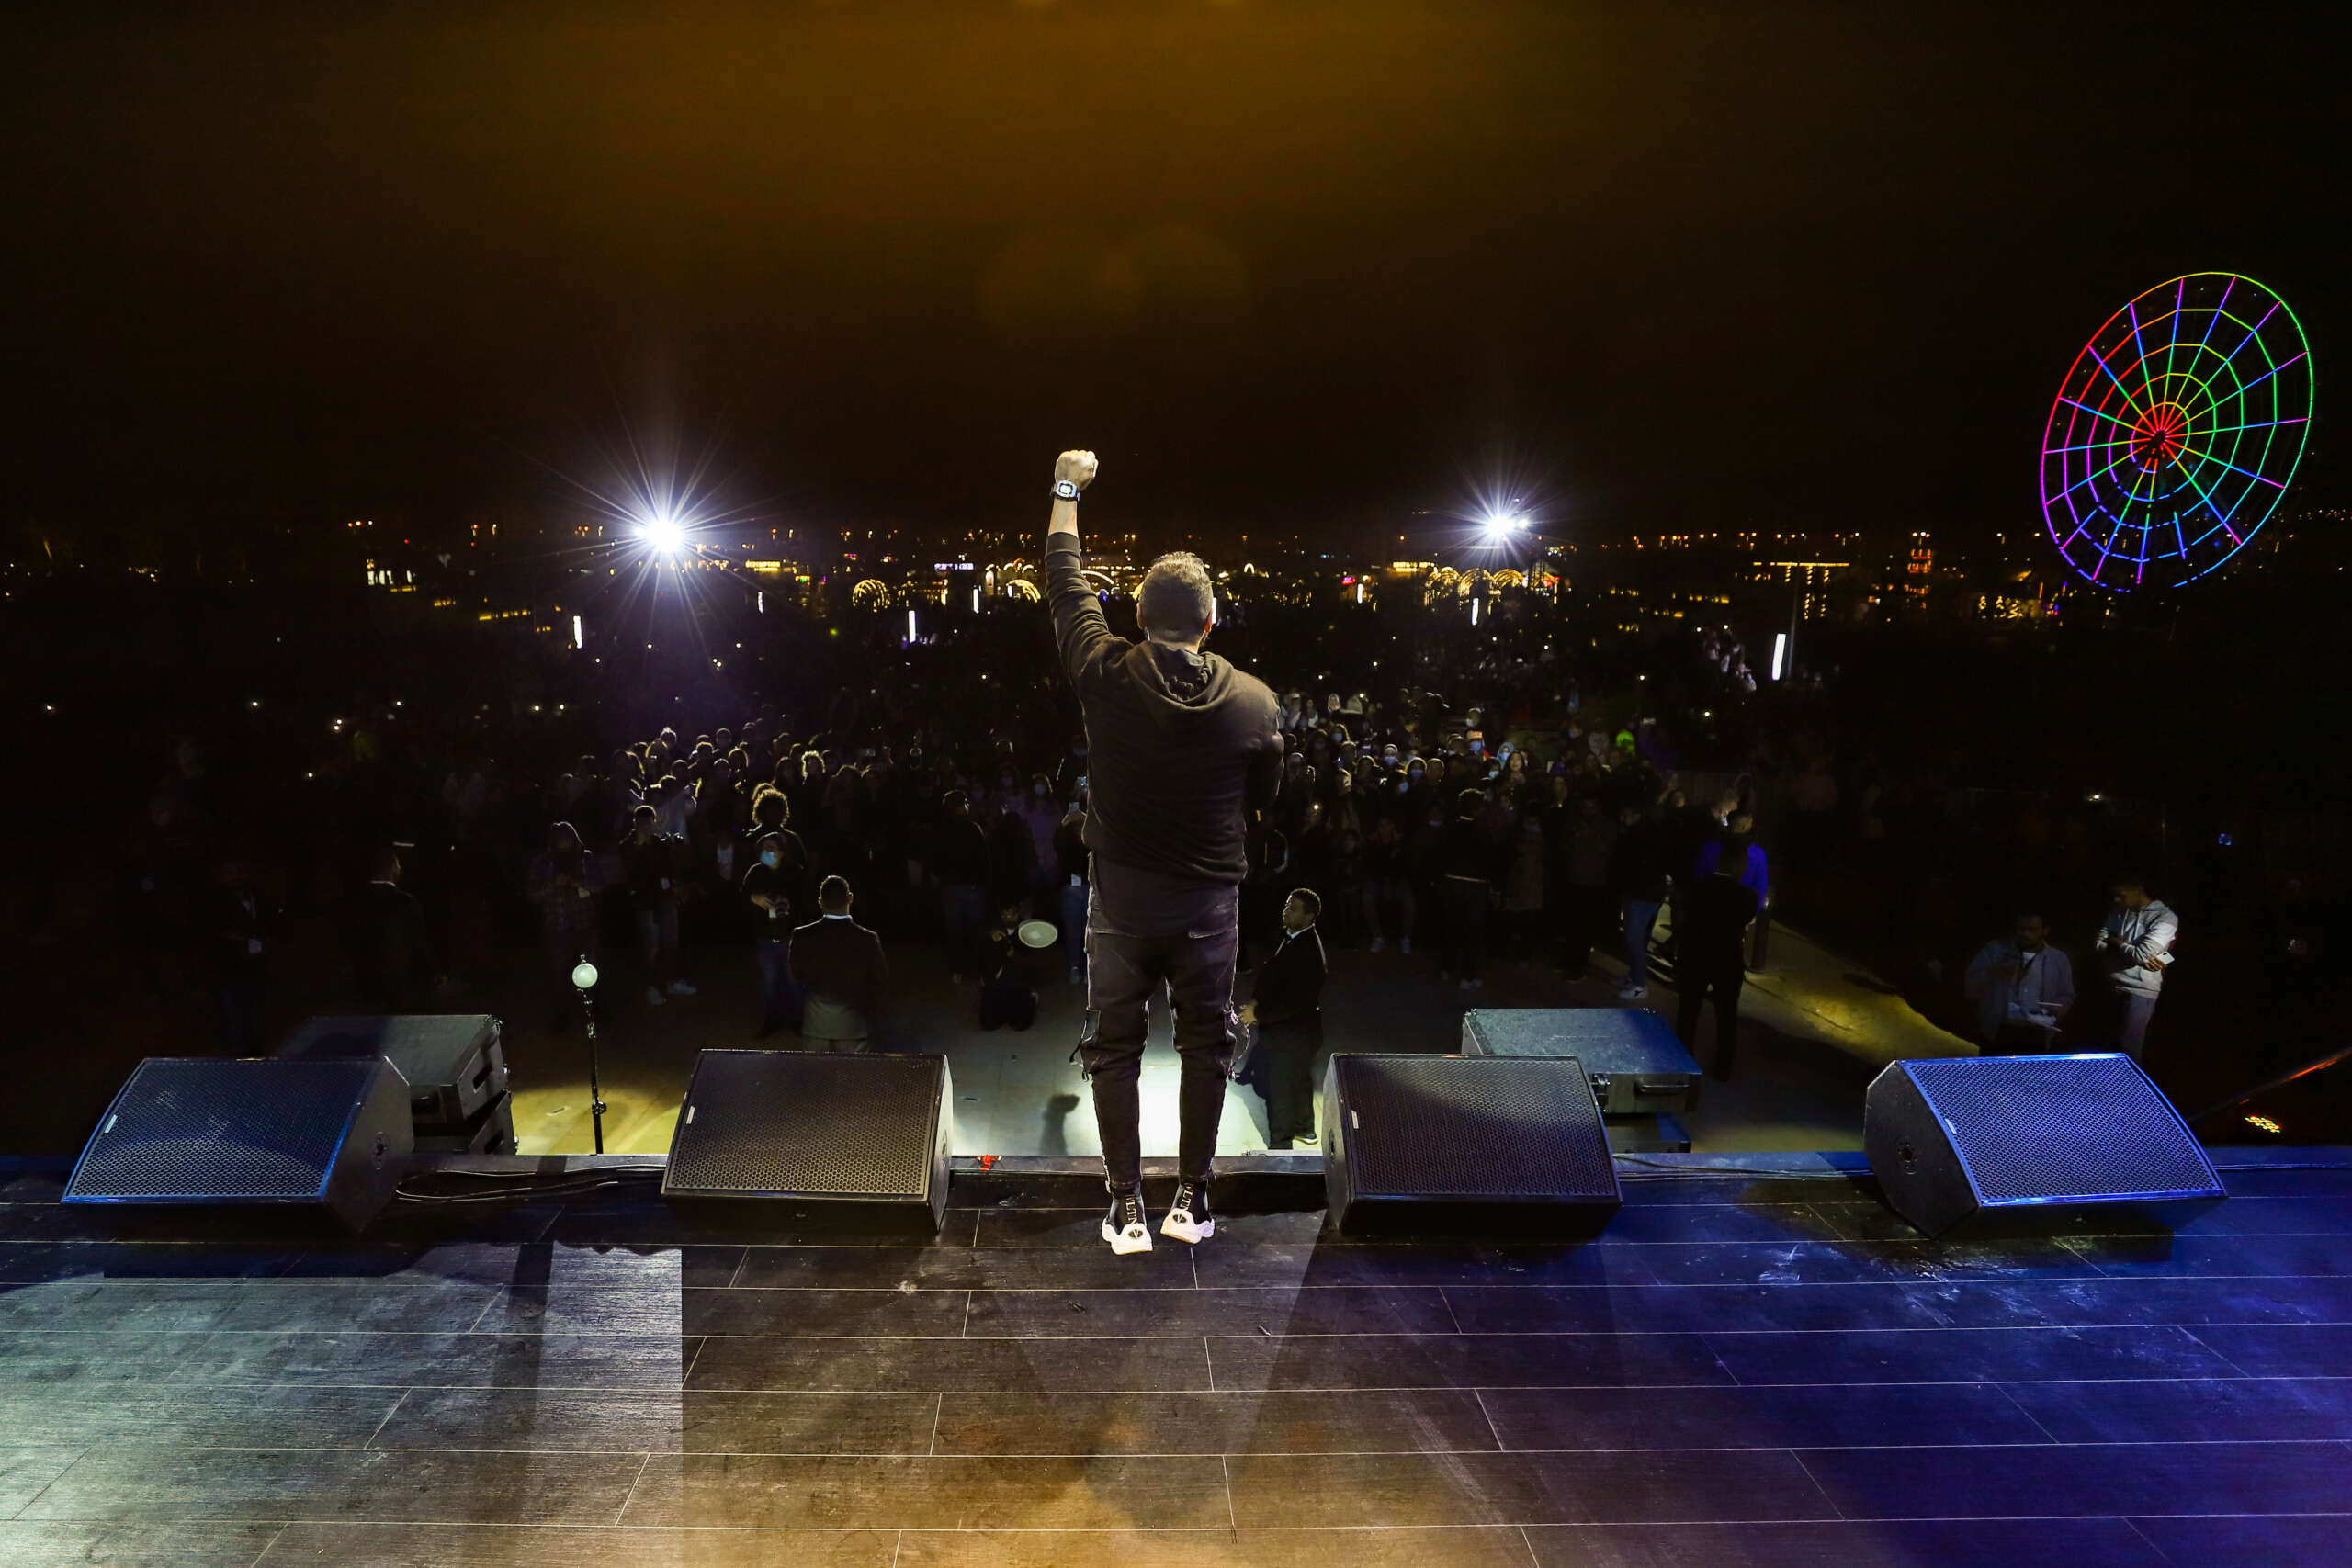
x=2133 y=950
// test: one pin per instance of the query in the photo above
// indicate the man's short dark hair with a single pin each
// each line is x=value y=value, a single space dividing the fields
x=1177 y=600
x=2130 y=879
x=1468 y=802
x=1312 y=900
x=643 y=813
x=954 y=799
x=833 y=896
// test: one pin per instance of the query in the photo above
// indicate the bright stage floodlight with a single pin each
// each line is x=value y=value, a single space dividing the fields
x=664 y=535
x=1501 y=525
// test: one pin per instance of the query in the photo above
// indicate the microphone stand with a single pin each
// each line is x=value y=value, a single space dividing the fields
x=595 y=1093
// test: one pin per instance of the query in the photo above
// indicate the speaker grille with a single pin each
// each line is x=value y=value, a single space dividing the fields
x=1475 y=1127
x=824 y=1123
x=2047 y=1129
x=196 y=1128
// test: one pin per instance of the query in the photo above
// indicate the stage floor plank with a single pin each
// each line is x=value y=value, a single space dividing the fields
x=1763 y=1371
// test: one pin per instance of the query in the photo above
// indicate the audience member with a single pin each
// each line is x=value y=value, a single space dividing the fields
x=840 y=969
x=392 y=960
x=2134 y=951
x=768 y=888
x=2022 y=988
x=1711 y=931
x=1287 y=1011
x=653 y=866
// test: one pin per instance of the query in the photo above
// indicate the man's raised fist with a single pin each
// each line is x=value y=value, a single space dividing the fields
x=1078 y=467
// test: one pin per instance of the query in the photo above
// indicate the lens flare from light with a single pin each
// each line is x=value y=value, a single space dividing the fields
x=663 y=535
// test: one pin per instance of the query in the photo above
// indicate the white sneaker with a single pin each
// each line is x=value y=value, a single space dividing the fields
x=1378 y=943
x=1189 y=1219
x=1633 y=993
x=1404 y=945
x=653 y=996
x=1306 y=1141
x=1124 y=1227
x=684 y=988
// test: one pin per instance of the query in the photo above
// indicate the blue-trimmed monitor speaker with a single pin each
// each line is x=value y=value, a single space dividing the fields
x=331 y=1136
x=2028 y=1141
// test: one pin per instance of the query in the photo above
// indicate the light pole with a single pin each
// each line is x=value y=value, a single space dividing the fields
x=583 y=976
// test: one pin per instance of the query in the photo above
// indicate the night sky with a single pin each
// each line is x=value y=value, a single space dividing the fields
x=1283 y=265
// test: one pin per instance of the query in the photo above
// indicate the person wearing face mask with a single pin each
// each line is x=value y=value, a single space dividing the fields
x=768 y=887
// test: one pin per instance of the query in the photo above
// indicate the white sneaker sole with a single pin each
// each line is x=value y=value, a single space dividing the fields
x=1135 y=1238
x=1186 y=1231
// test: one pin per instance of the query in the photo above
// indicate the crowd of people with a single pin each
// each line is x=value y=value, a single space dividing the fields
x=1453 y=800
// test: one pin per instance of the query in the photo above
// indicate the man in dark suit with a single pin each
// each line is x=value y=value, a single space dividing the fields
x=390 y=959
x=1288 y=1013
x=839 y=965
x=1711 y=951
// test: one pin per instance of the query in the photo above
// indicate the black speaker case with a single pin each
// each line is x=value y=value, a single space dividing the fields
x=1927 y=1179
x=732 y=1079
x=455 y=1063
x=1548 y=1215
x=490 y=1131
x=1638 y=1066
x=371 y=1155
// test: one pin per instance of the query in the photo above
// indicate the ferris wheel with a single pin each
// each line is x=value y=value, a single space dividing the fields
x=2175 y=432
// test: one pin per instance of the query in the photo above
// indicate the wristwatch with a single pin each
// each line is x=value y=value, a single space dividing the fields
x=1064 y=489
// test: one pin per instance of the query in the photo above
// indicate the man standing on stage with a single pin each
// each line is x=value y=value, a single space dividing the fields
x=1288 y=1013
x=2133 y=950
x=1183 y=749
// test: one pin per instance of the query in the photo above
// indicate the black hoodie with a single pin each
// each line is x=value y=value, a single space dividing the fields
x=1182 y=746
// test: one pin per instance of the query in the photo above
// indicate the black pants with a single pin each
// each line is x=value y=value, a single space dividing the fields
x=1123 y=973
x=1289 y=1050
x=1722 y=982
x=1590 y=916
x=1465 y=925
x=1007 y=1004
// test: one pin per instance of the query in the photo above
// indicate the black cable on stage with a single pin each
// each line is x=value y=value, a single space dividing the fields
x=1654 y=1170
x=563 y=1186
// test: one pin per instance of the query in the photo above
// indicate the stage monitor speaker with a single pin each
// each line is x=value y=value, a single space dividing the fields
x=1510 y=1144
x=866 y=1137
x=199 y=1130
x=1956 y=1139
x=454 y=1063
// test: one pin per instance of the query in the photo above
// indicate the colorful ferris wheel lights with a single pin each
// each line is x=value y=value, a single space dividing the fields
x=2177 y=432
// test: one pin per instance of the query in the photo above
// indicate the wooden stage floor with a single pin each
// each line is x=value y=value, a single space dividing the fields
x=1746 y=1370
